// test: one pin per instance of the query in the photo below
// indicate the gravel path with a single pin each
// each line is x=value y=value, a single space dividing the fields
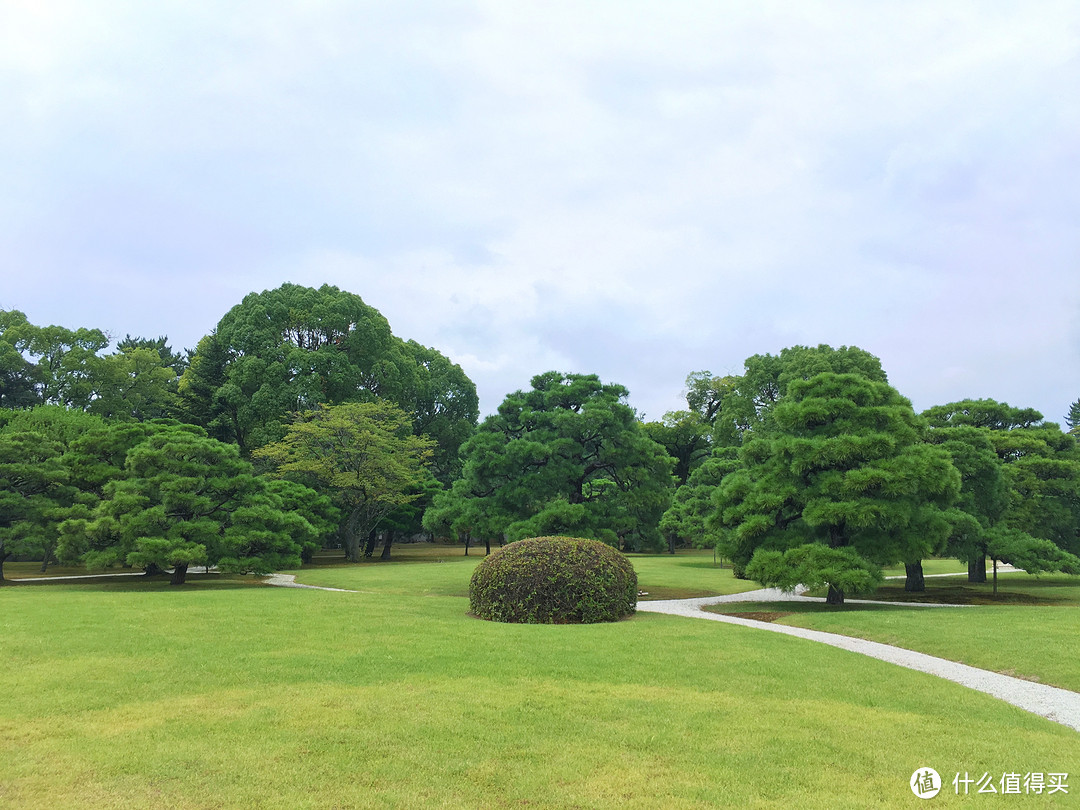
x=289 y=581
x=1059 y=705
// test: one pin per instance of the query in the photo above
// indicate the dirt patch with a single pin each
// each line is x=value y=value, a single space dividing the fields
x=761 y=615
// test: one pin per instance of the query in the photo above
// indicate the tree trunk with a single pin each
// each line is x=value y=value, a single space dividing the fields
x=468 y=537
x=386 y=545
x=152 y=570
x=178 y=574
x=671 y=543
x=3 y=556
x=995 y=576
x=44 y=565
x=352 y=539
x=372 y=538
x=835 y=597
x=487 y=545
x=915 y=581
x=977 y=569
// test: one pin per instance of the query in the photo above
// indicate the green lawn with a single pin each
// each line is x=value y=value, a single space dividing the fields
x=1029 y=629
x=224 y=693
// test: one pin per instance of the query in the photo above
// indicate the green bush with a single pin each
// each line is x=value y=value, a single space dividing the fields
x=554 y=580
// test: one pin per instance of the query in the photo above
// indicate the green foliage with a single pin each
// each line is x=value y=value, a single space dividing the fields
x=554 y=580
x=288 y=350
x=46 y=365
x=749 y=399
x=1031 y=554
x=1072 y=419
x=363 y=452
x=841 y=462
x=186 y=499
x=34 y=494
x=685 y=437
x=135 y=383
x=566 y=457
x=815 y=566
x=982 y=413
x=444 y=406
x=688 y=518
x=1021 y=474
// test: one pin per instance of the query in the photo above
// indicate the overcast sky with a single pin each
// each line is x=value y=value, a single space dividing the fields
x=637 y=190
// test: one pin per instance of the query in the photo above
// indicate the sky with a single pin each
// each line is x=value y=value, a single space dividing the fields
x=629 y=189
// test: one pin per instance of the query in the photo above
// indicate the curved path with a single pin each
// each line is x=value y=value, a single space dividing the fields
x=289 y=581
x=1059 y=705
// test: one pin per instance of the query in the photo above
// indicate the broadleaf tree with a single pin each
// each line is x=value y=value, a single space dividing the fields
x=365 y=453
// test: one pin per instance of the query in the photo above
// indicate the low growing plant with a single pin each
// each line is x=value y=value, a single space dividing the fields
x=554 y=580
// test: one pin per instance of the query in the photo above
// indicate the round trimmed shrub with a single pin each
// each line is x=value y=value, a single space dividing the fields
x=554 y=580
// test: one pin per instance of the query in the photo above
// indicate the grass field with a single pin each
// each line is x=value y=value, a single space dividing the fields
x=1030 y=629
x=226 y=693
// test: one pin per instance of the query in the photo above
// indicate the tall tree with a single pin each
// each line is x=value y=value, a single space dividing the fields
x=751 y=397
x=134 y=383
x=38 y=488
x=1040 y=472
x=566 y=457
x=685 y=436
x=842 y=463
x=984 y=493
x=444 y=406
x=687 y=520
x=287 y=350
x=364 y=452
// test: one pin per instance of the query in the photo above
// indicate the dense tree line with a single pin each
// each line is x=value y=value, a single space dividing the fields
x=821 y=473
x=301 y=420
x=147 y=458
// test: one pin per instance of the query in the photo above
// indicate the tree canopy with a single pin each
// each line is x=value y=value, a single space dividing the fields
x=567 y=457
x=288 y=350
x=185 y=499
x=364 y=452
x=841 y=463
x=749 y=398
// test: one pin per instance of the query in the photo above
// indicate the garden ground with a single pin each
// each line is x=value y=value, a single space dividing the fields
x=225 y=693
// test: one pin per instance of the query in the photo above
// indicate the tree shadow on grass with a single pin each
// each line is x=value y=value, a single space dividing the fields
x=144 y=584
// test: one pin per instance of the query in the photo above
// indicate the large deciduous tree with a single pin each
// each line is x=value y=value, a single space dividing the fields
x=56 y=364
x=567 y=456
x=841 y=463
x=288 y=350
x=364 y=452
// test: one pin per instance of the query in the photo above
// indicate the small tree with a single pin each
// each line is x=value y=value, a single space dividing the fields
x=186 y=499
x=365 y=452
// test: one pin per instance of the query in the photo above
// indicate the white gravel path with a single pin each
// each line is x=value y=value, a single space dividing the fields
x=289 y=581
x=1059 y=705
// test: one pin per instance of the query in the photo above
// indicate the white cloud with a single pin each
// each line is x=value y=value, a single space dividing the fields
x=629 y=188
